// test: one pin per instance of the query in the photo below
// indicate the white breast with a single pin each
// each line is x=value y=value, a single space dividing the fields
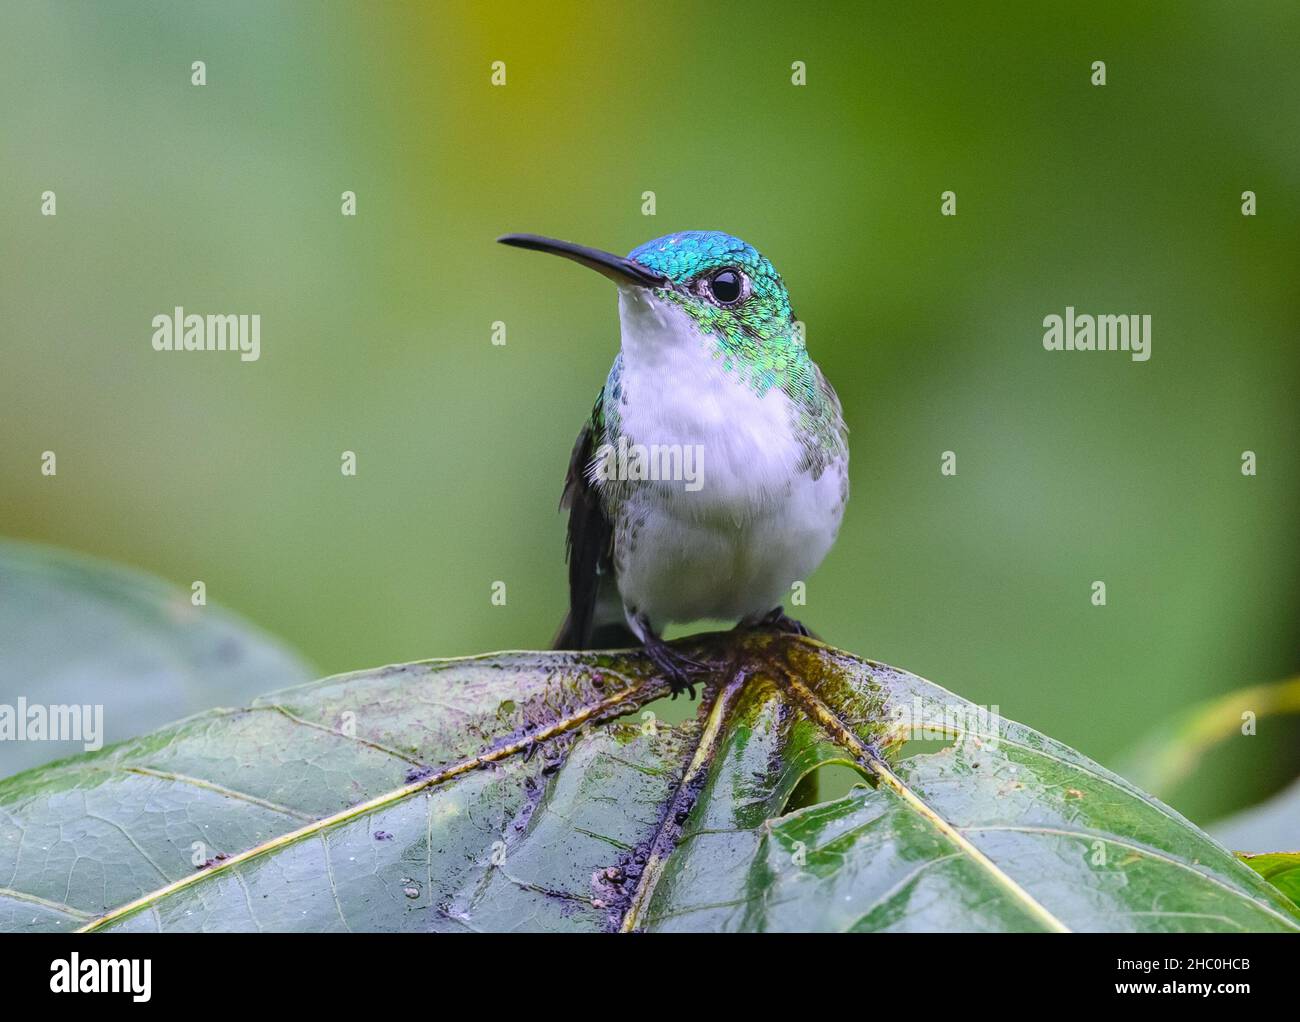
x=677 y=390
x=756 y=525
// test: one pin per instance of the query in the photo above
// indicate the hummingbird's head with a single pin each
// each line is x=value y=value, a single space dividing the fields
x=724 y=284
x=699 y=284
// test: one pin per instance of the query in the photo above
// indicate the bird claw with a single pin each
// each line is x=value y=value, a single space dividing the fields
x=679 y=670
x=778 y=620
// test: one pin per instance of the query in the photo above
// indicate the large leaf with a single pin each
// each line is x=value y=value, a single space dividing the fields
x=76 y=631
x=1281 y=869
x=532 y=791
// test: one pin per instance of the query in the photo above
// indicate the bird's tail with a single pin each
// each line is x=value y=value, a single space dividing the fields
x=568 y=636
x=613 y=635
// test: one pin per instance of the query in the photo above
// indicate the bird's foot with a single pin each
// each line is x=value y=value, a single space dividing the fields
x=777 y=620
x=681 y=671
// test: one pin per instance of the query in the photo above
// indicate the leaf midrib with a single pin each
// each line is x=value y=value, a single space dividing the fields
x=644 y=692
x=818 y=711
x=724 y=699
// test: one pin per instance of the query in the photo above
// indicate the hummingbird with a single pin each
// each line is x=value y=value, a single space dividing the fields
x=712 y=474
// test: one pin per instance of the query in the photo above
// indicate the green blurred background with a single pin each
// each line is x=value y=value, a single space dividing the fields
x=376 y=328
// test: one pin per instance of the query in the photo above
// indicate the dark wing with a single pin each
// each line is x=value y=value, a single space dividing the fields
x=590 y=541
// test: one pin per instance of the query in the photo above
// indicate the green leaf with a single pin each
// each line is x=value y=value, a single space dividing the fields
x=76 y=631
x=539 y=791
x=1281 y=869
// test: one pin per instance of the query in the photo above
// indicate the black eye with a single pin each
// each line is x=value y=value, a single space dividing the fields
x=726 y=286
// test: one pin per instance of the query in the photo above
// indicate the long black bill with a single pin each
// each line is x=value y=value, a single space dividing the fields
x=616 y=268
